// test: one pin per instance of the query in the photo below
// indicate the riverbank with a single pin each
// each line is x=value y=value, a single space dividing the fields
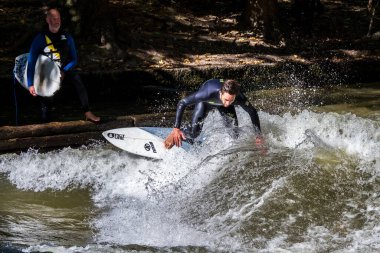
x=71 y=133
x=181 y=40
x=133 y=91
x=162 y=51
x=359 y=100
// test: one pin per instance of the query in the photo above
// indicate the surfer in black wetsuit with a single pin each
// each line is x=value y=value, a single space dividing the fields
x=214 y=93
x=60 y=47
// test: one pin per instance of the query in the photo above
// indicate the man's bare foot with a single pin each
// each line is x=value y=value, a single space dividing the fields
x=91 y=117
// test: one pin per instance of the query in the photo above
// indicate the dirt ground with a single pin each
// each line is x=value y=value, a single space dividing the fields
x=169 y=35
x=165 y=36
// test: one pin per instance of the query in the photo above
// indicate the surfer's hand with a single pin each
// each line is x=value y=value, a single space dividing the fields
x=178 y=136
x=174 y=138
x=32 y=91
x=259 y=141
x=62 y=75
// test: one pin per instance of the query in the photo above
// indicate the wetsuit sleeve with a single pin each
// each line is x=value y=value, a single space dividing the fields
x=72 y=54
x=34 y=52
x=203 y=94
x=182 y=104
x=246 y=105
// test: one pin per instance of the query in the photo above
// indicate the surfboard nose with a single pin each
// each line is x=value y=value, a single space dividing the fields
x=136 y=141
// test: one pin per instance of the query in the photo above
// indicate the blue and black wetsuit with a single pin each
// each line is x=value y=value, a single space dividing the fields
x=207 y=98
x=60 y=47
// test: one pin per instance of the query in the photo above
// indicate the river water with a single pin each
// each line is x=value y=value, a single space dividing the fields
x=314 y=188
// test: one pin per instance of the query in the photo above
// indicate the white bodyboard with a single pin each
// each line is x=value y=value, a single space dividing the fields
x=142 y=141
x=47 y=75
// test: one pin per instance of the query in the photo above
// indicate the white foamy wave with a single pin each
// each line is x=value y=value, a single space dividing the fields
x=63 y=169
x=111 y=173
x=347 y=132
x=140 y=198
x=142 y=201
x=148 y=223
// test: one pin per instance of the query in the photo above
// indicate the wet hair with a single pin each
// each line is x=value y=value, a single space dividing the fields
x=232 y=87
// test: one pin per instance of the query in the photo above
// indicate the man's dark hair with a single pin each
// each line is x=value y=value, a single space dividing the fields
x=232 y=87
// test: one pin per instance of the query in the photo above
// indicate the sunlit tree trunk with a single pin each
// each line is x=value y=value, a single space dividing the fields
x=372 y=6
x=263 y=15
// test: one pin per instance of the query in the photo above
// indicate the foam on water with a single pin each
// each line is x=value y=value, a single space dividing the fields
x=152 y=224
x=352 y=134
x=139 y=197
x=147 y=202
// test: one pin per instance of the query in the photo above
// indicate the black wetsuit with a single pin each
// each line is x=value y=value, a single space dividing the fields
x=207 y=98
x=59 y=47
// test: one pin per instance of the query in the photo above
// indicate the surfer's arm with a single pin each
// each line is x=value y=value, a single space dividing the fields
x=252 y=112
x=182 y=104
x=246 y=106
x=203 y=94
x=72 y=54
x=176 y=136
x=34 y=52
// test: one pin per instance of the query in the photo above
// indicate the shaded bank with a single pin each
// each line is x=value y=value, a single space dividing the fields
x=127 y=89
x=163 y=49
x=358 y=100
x=73 y=133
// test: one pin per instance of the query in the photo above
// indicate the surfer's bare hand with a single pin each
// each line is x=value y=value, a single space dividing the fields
x=62 y=75
x=178 y=136
x=32 y=91
x=174 y=138
x=259 y=140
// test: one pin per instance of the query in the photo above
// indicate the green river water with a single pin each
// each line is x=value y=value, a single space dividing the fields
x=315 y=189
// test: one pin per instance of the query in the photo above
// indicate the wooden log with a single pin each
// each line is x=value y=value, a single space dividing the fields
x=57 y=128
x=48 y=142
x=72 y=133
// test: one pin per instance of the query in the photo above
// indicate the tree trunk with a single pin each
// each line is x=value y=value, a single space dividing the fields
x=372 y=5
x=63 y=134
x=262 y=15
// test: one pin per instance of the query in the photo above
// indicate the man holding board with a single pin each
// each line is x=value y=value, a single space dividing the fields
x=214 y=93
x=60 y=48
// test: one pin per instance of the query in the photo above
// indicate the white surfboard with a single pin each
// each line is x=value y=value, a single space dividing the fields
x=143 y=141
x=47 y=75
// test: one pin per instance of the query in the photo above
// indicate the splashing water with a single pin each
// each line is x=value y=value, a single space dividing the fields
x=314 y=189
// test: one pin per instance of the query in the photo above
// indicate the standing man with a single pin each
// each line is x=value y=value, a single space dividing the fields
x=60 y=47
x=214 y=93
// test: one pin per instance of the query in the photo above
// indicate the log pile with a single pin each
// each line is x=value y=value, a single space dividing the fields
x=72 y=133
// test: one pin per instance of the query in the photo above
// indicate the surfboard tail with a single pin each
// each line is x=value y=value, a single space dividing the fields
x=47 y=75
x=137 y=141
